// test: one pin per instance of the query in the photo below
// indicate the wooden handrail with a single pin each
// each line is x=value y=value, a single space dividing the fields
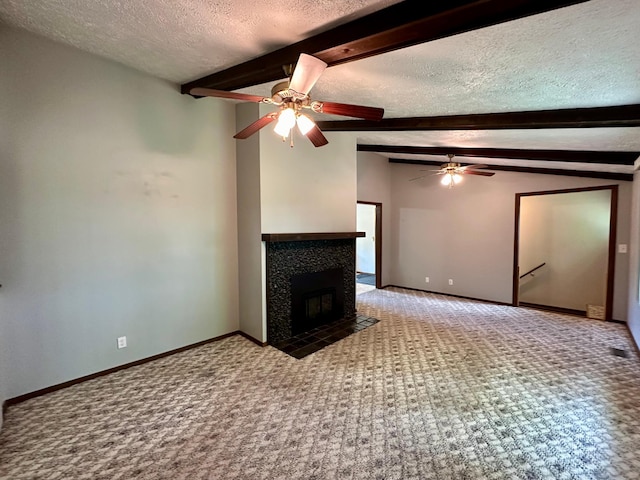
x=533 y=270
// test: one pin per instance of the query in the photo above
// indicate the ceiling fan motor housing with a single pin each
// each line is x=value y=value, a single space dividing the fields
x=282 y=93
x=451 y=166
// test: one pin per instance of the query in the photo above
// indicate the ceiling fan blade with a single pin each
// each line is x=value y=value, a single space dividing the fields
x=432 y=172
x=358 y=111
x=317 y=137
x=418 y=178
x=306 y=74
x=210 y=92
x=474 y=165
x=484 y=174
x=255 y=126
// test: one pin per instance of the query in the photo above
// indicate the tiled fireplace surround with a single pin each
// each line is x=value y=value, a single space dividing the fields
x=297 y=255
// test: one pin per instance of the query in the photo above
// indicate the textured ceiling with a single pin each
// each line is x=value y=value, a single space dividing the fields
x=586 y=55
x=181 y=40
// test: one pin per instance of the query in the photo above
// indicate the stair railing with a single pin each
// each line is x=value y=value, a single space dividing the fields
x=530 y=272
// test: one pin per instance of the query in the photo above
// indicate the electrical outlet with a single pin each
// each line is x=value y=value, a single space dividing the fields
x=622 y=248
x=451 y=281
x=426 y=279
x=122 y=342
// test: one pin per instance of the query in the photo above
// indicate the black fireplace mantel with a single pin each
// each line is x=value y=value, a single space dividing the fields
x=301 y=237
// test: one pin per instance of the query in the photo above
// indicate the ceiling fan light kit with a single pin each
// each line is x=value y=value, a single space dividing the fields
x=292 y=97
x=451 y=179
x=286 y=121
x=452 y=172
x=304 y=123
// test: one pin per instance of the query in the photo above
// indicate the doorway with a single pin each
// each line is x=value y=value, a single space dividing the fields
x=369 y=247
x=564 y=250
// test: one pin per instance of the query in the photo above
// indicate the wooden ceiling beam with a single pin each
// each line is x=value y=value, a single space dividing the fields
x=595 y=117
x=627 y=177
x=574 y=156
x=398 y=26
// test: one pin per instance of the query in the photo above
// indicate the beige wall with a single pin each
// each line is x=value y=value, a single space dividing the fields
x=466 y=233
x=570 y=233
x=286 y=190
x=250 y=258
x=4 y=140
x=374 y=185
x=634 y=263
x=118 y=214
x=307 y=189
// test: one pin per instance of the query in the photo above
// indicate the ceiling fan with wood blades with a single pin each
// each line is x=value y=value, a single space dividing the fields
x=292 y=96
x=452 y=172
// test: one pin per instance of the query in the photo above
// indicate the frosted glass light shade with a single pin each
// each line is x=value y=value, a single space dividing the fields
x=287 y=118
x=281 y=129
x=451 y=179
x=305 y=124
x=286 y=121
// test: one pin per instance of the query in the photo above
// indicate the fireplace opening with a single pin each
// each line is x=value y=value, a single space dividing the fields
x=317 y=298
x=319 y=305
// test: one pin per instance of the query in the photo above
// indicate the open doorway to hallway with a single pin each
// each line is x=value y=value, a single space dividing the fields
x=565 y=249
x=368 y=248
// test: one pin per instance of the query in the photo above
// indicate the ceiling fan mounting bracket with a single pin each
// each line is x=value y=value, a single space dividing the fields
x=288 y=69
x=450 y=167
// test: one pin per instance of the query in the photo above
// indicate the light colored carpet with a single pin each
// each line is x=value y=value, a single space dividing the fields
x=363 y=287
x=439 y=389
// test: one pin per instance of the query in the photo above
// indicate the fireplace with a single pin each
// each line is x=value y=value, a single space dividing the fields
x=310 y=281
x=317 y=298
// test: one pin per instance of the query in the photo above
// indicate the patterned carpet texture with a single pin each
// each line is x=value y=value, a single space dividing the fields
x=440 y=388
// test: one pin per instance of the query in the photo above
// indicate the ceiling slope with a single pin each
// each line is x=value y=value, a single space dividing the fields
x=399 y=26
